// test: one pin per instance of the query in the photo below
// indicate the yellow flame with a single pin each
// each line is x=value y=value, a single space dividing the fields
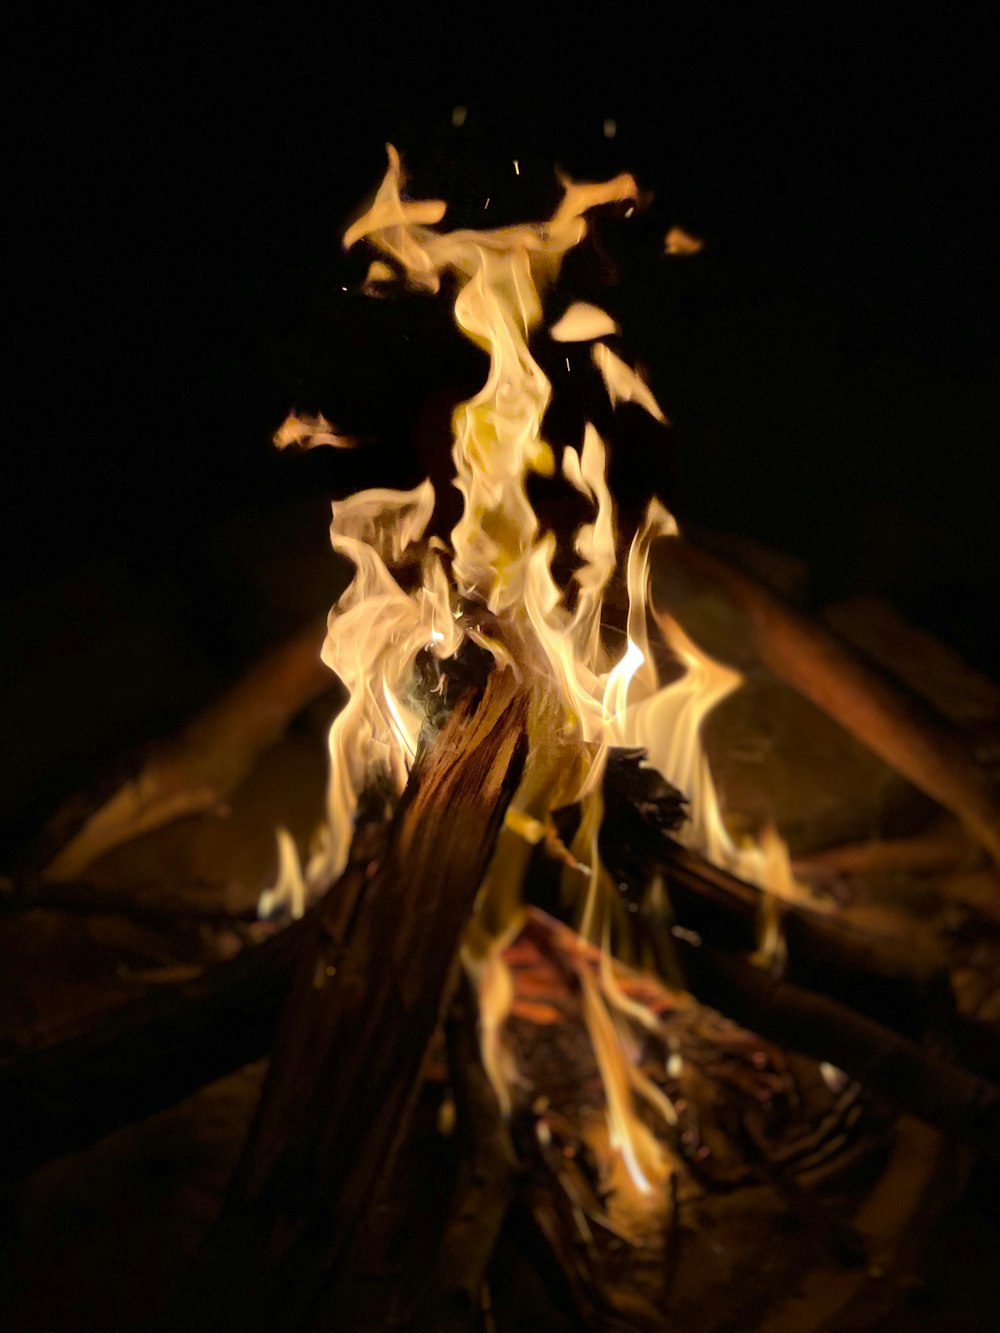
x=307 y=431
x=288 y=893
x=498 y=569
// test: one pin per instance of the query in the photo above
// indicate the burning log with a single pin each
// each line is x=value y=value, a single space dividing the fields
x=196 y=771
x=367 y=997
x=159 y=1049
x=899 y=728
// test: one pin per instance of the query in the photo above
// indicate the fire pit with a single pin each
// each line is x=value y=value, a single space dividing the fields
x=586 y=1001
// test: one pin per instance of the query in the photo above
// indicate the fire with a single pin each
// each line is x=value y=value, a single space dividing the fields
x=493 y=584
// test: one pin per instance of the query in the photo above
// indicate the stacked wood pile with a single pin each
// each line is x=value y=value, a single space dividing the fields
x=877 y=1048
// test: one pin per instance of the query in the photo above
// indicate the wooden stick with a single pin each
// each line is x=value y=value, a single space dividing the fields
x=725 y=909
x=193 y=772
x=353 y=1037
x=902 y=730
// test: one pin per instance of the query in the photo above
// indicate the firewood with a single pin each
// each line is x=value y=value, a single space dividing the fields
x=147 y=1056
x=365 y=1003
x=485 y=1187
x=927 y=853
x=907 y=1076
x=958 y=691
x=897 y=726
x=157 y=903
x=197 y=770
x=155 y=1051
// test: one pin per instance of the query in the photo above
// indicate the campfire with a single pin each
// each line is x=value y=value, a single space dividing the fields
x=556 y=1030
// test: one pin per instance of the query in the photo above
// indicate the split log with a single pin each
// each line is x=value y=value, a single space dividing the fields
x=900 y=728
x=197 y=770
x=353 y=1038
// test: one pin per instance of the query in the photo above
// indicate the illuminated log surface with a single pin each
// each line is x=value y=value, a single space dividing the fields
x=354 y=1034
x=896 y=726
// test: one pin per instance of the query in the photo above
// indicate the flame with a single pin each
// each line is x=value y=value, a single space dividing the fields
x=493 y=583
x=307 y=431
x=680 y=242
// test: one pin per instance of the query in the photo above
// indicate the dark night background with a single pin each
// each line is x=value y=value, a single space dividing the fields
x=828 y=361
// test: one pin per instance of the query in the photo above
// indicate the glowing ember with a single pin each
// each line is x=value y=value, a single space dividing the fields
x=494 y=586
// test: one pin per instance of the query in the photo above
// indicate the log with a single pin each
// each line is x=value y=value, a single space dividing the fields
x=485 y=1186
x=159 y=1049
x=894 y=724
x=154 y=1052
x=145 y=1057
x=194 y=772
x=928 y=853
x=159 y=904
x=906 y=1075
x=726 y=911
x=354 y=1034
x=958 y=691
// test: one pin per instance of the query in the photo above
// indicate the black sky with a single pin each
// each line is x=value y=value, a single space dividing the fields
x=829 y=362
